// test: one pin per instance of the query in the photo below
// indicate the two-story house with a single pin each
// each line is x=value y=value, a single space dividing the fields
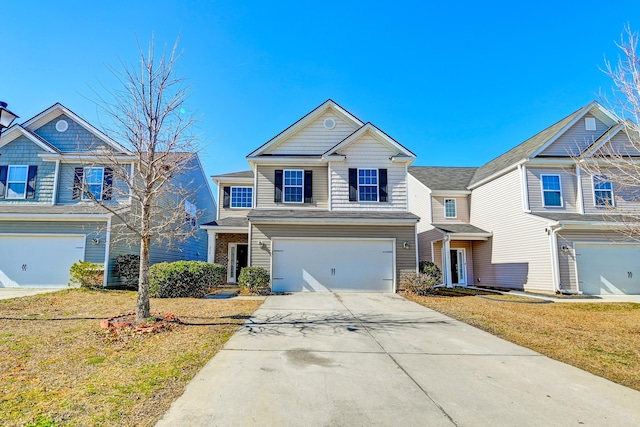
x=323 y=208
x=48 y=220
x=532 y=218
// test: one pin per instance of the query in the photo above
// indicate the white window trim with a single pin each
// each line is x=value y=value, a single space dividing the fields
x=455 y=208
x=26 y=182
x=85 y=183
x=593 y=188
x=284 y=186
x=369 y=185
x=543 y=190
x=250 y=199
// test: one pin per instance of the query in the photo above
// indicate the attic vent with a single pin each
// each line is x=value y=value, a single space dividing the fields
x=62 y=125
x=329 y=123
x=590 y=123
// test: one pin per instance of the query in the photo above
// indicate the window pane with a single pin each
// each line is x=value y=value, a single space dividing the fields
x=552 y=198
x=603 y=198
x=368 y=193
x=293 y=180
x=94 y=175
x=367 y=177
x=16 y=190
x=293 y=194
x=551 y=182
x=450 y=208
x=241 y=197
x=18 y=173
x=601 y=183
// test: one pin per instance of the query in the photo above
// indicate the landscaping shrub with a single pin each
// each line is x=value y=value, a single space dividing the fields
x=431 y=270
x=184 y=279
x=256 y=279
x=86 y=274
x=127 y=267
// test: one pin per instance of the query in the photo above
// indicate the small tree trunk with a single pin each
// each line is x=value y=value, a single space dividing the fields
x=143 y=309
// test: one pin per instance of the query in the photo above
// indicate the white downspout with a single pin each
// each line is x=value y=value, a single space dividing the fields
x=107 y=247
x=446 y=247
x=524 y=188
x=555 y=262
x=56 y=178
x=580 y=200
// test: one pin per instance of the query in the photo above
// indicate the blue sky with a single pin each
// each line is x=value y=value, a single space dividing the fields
x=458 y=83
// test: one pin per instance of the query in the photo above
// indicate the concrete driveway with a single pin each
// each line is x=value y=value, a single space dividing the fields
x=8 y=293
x=378 y=359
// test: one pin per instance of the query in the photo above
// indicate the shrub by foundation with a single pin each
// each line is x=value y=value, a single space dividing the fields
x=184 y=279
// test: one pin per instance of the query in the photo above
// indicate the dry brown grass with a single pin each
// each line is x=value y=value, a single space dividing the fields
x=70 y=372
x=602 y=338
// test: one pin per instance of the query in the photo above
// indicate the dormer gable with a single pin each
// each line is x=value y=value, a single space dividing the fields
x=17 y=131
x=369 y=132
x=617 y=141
x=318 y=131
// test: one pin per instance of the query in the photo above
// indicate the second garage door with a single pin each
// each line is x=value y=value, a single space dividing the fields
x=333 y=265
x=608 y=268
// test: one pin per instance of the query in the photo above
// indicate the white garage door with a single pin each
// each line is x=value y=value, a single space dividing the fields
x=44 y=260
x=608 y=268
x=333 y=265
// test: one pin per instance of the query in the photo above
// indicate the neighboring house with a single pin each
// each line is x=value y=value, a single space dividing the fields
x=47 y=219
x=323 y=208
x=532 y=218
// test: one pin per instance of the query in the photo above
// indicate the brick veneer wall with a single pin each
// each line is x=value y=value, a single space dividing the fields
x=222 y=246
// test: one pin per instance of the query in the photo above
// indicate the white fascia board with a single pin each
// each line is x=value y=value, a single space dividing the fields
x=221 y=229
x=450 y=192
x=16 y=131
x=403 y=159
x=316 y=221
x=605 y=225
x=75 y=158
x=498 y=174
x=551 y=161
x=334 y=157
x=221 y=180
x=470 y=236
x=54 y=217
x=59 y=109
x=277 y=160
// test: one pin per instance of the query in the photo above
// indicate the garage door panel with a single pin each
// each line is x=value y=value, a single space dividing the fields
x=608 y=268
x=38 y=260
x=330 y=265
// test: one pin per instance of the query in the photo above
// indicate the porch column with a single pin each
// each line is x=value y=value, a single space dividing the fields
x=211 y=246
x=446 y=261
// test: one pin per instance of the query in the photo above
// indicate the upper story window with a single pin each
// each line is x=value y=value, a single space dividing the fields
x=18 y=182
x=368 y=185
x=241 y=197
x=551 y=190
x=190 y=211
x=293 y=186
x=450 y=208
x=602 y=191
x=93 y=182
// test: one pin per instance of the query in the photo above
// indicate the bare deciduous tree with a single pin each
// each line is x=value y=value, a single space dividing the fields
x=146 y=115
x=618 y=160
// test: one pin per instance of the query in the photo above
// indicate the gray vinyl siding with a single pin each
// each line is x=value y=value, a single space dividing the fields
x=66 y=179
x=314 y=138
x=462 y=209
x=405 y=258
x=369 y=153
x=75 y=139
x=568 y=185
x=626 y=200
x=567 y=261
x=93 y=252
x=23 y=152
x=425 y=239
x=420 y=204
x=619 y=145
x=266 y=188
x=235 y=212
x=519 y=253
x=575 y=139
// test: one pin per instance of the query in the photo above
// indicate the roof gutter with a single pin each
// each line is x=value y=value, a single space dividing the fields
x=498 y=174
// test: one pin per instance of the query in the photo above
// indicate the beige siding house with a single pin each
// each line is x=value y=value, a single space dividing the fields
x=323 y=208
x=532 y=218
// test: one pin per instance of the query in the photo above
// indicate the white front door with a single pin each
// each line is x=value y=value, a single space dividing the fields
x=333 y=265
x=43 y=260
x=458 y=267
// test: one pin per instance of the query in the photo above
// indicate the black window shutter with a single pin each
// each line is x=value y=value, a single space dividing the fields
x=107 y=184
x=31 y=181
x=77 y=183
x=226 y=199
x=353 y=185
x=277 y=196
x=308 y=186
x=382 y=184
x=3 y=180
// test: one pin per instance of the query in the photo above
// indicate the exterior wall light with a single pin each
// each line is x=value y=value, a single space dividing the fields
x=6 y=117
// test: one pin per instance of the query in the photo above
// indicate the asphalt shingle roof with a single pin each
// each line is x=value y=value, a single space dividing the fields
x=232 y=221
x=459 y=228
x=443 y=178
x=241 y=174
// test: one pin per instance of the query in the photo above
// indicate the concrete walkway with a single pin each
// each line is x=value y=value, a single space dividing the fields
x=378 y=359
x=7 y=293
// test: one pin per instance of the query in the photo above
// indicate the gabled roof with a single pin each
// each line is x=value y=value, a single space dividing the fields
x=537 y=143
x=242 y=174
x=380 y=135
x=58 y=109
x=443 y=178
x=328 y=104
x=600 y=142
x=16 y=131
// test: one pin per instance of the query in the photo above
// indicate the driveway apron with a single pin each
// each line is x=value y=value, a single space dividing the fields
x=378 y=359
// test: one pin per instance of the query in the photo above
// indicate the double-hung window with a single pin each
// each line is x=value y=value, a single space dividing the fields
x=17 y=182
x=190 y=211
x=93 y=183
x=293 y=186
x=551 y=190
x=602 y=191
x=450 y=208
x=241 y=197
x=368 y=185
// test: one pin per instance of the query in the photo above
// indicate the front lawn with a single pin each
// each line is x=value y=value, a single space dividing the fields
x=601 y=338
x=57 y=367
